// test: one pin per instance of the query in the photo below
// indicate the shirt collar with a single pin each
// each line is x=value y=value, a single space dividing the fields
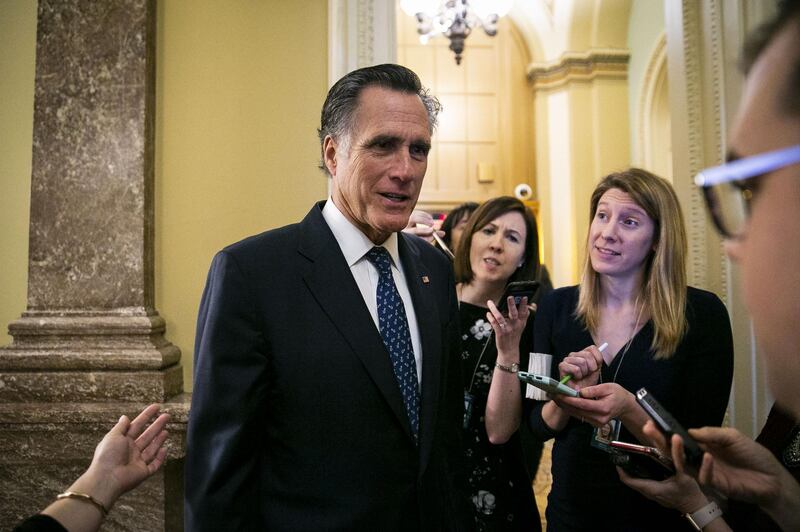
x=353 y=243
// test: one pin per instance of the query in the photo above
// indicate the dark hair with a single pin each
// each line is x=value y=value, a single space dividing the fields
x=342 y=100
x=464 y=210
x=483 y=215
x=788 y=13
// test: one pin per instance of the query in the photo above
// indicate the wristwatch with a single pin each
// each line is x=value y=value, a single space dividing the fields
x=704 y=515
x=513 y=368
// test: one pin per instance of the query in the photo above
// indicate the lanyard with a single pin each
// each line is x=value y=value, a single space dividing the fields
x=629 y=342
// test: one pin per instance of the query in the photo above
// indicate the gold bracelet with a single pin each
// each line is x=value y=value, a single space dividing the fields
x=85 y=497
x=513 y=368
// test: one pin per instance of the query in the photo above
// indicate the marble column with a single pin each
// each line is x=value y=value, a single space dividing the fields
x=90 y=345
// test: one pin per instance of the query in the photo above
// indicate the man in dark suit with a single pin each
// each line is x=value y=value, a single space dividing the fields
x=327 y=393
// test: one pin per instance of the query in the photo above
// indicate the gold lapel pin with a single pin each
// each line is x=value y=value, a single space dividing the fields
x=425 y=279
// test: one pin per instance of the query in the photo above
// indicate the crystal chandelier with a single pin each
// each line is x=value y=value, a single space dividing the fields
x=455 y=19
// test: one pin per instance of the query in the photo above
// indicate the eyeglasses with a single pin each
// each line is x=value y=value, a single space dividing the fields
x=728 y=188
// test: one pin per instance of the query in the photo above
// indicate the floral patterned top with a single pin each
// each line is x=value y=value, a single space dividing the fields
x=498 y=481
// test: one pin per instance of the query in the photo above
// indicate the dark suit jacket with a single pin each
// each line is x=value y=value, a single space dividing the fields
x=297 y=422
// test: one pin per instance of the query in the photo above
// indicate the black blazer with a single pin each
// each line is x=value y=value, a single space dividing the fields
x=297 y=422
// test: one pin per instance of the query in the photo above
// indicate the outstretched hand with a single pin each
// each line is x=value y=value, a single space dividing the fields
x=127 y=455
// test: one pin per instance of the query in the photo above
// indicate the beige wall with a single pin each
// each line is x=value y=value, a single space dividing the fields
x=481 y=148
x=239 y=89
x=17 y=52
x=582 y=136
x=645 y=30
x=581 y=117
x=240 y=86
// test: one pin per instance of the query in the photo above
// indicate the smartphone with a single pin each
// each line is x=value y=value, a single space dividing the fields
x=547 y=384
x=669 y=426
x=641 y=461
x=517 y=290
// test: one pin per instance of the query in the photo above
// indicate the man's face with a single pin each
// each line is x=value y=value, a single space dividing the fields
x=377 y=173
x=769 y=250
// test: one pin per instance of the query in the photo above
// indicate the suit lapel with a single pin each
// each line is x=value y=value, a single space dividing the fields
x=331 y=283
x=428 y=322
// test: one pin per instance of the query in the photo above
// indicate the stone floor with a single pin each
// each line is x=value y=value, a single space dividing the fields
x=541 y=484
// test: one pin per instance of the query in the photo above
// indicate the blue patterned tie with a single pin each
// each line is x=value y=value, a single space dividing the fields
x=396 y=336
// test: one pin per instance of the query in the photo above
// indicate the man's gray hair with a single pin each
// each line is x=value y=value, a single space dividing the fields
x=340 y=105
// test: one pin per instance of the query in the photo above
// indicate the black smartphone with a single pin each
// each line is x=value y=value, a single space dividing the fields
x=669 y=426
x=641 y=461
x=517 y=290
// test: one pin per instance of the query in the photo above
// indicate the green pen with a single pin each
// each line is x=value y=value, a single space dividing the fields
x=566 y=378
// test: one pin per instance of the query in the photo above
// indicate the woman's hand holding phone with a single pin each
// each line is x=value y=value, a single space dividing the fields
x=600 y=403
x=508 y=329
x=582 y=370
x=680 y=491
x=504 y=405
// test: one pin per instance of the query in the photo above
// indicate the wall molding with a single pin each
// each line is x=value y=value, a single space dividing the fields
x=655 y=75
x=704 y=40
x=605 y=63
x=360 y=33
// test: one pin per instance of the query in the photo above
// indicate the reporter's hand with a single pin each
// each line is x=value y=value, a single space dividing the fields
x=680 y=491
x=598 y=404
x=128 y=454
x=584 y=366
x=655 y=437
x=738 y=466
x=508 y=329
x=504 y=404
x=422 y=224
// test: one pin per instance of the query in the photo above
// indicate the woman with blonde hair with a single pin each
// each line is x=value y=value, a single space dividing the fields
x=661 y=334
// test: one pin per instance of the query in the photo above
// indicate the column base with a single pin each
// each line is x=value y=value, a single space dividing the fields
x=85 y=356
x=46 y=446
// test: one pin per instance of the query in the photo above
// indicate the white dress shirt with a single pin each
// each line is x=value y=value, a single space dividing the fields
x=355 y=245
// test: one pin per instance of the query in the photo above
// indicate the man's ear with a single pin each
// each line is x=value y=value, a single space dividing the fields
x=329 y=152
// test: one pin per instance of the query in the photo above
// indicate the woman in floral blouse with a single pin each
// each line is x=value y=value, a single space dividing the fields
x=500 y=245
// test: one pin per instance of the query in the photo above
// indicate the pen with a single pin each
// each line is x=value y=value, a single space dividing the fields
x=440 y=242
x=565 y=379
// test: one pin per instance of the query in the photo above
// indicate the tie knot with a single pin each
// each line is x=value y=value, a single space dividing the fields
x=379 y=257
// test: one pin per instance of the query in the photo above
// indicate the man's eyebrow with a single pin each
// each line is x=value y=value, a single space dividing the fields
x=420 y=143
x=381 y=139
